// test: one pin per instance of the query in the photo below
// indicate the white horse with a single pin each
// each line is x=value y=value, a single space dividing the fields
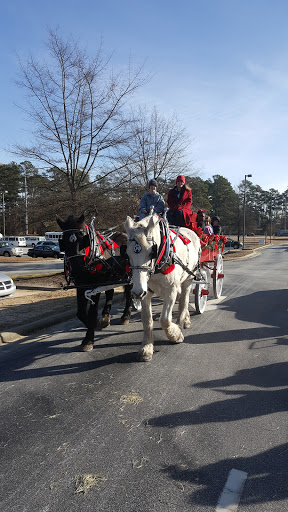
x=171 y=281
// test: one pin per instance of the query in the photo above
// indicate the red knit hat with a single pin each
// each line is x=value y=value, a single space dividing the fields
x=180 y=178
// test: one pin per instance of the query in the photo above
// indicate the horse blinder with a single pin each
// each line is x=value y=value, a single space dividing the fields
x=154 y=252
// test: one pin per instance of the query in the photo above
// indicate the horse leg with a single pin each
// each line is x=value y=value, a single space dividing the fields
x=183 y=319
x=125 y=318
x=87 y=313
x=146 y=350
x=106 y=318
x=173 y=331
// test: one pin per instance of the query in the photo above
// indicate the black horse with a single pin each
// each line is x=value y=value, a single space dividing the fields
x=86 y=271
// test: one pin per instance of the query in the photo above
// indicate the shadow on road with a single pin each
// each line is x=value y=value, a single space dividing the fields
x=266 y=482
x=267 y=471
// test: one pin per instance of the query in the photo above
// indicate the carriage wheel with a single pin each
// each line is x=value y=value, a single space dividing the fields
x=218 y=276
x=201 y=294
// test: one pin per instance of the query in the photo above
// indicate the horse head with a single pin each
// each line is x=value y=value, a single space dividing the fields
x=143 y=242
x=73 y=242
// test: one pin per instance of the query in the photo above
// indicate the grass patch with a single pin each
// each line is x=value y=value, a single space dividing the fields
x=132 y=398
x=87 y=481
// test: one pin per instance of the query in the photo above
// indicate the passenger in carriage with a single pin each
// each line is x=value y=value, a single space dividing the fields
x=201 y=215
x=179 y=201
x=151 y=198
x=216 y=225
x=208 y=230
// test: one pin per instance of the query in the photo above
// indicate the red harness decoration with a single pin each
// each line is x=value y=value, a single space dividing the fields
x=184 y=238
x=98 y=266
x=169 y=269
x=162 y=250
x=114 y=246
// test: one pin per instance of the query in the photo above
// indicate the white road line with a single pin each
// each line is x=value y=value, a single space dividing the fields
x=230 y=497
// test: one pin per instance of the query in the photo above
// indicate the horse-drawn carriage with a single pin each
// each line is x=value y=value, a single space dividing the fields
x=153 y=258
x=211 y=262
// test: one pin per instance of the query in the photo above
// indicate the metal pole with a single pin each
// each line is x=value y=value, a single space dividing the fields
x=23 y=167
x=244 y=207
x=244 y=212
x=26 y=204
x=271 y=222
x=285 y=206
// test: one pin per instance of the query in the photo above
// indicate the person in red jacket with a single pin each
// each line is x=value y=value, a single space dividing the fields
x=179 y=201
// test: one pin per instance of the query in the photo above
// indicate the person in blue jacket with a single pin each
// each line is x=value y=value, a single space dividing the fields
x=151 y=198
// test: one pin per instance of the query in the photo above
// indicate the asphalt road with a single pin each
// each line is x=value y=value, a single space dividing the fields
x=163 y=435
x=25 y=268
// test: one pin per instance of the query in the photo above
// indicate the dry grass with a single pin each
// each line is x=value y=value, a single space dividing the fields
x=132 y=398
x=87 y=481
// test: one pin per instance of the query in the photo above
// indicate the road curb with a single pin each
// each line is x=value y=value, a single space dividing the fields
x=33 y=276
x=24 y=331
x=37 y=325
x=247 y=256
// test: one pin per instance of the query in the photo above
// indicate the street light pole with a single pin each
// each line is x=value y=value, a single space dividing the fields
x=26 y=205
x=23 y=167
x=244 y=207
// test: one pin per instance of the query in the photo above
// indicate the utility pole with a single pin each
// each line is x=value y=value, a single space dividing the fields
x=26 y=204
x=244 y=207
x=23 y=167
x=271 y=221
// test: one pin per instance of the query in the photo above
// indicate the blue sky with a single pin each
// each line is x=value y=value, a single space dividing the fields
x=220 y=65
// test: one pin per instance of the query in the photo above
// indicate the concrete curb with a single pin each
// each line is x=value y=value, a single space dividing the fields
x=20 y=332
x=33 y=276
x=37 y=325
x=247 y=256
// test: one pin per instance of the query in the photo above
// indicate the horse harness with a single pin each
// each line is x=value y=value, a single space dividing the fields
x=165 y=254
x=94 y=259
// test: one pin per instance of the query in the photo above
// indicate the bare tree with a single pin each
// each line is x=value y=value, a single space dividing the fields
x=158 y=148
x=76 y=106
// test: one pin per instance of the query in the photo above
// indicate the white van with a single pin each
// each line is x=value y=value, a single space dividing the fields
x=31 y=241
x=16 y=241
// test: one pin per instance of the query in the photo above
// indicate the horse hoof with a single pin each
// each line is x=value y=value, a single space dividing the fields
x=124 y=320
x=87 y=347
x=105 y=321
x=144 y=358
x=180 y=340
x=146 y=354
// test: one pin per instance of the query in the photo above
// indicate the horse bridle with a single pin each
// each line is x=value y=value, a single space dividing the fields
x=168 y=256
x=153 y=255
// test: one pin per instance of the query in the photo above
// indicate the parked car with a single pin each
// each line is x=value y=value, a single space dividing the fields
x=234 y=244
x=6 y=249
x=45 y=251
x=7 y=287
x=47 y=243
